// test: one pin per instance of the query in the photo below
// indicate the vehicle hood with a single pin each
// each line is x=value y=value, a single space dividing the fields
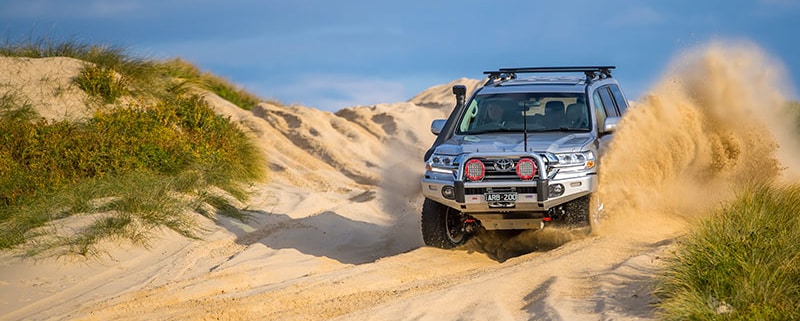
x=556 y=142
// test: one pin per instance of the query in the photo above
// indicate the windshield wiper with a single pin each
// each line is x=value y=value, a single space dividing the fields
x=560 y=129
x=573 y=129
x=493 y=130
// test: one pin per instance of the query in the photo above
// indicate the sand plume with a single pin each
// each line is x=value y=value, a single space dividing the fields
x=706 y=129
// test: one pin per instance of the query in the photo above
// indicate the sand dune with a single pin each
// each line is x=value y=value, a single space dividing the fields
x=46 y=84
x=335 y=230
x=338 y=195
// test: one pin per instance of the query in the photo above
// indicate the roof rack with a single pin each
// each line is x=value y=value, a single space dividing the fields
x=591 y=72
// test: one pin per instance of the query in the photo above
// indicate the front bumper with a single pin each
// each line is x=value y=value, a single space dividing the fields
x=532 y=196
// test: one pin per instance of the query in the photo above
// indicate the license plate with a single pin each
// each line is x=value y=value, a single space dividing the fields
x=501 y=197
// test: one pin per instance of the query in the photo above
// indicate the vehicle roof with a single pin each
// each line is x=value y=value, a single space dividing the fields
x=571 y=84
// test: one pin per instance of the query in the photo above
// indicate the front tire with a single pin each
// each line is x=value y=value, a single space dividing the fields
x=575 y=213
x=442 y=227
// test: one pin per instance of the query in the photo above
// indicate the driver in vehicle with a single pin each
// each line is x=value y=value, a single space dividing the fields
x=494 y=114
x=553 y=114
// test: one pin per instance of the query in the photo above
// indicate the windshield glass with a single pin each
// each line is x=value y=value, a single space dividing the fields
x=514 y=111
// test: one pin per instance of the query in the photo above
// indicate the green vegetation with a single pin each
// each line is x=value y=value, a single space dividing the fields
x=180 y=69
x=108 y=57
x=111 y=72
x=742 y=263
x=115 y=73
x=132 y=167
x=101 y=82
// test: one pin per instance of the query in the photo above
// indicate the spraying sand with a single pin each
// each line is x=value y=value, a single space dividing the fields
x=707 y=129
x=336 y=231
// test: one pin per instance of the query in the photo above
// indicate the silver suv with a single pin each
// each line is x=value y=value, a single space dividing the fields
x=521 y=153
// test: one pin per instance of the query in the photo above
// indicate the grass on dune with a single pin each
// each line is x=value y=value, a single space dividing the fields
x=180 y=69
x=114 y=72
x=742 y=263
x=134 y=166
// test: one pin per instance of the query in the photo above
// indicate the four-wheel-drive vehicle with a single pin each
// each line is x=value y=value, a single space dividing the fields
x=521 y=153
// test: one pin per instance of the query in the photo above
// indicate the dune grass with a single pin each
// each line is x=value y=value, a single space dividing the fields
x=132 y=167
x=742 y=263
x=180 y=69
x=104 y=56
x=114 y=72
x=102 y=82
x=155 y=163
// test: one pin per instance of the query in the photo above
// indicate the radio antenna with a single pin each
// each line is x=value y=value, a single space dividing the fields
x=525 y=128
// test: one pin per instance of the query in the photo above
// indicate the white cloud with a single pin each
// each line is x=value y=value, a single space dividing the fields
x=332 y=92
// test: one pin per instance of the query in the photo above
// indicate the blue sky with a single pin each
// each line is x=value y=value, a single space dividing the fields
x=334 y=54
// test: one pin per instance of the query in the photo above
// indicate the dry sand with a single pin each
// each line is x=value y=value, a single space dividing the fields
x=335 y=233
x=46 y=84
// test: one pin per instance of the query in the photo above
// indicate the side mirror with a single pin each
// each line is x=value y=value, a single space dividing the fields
x=610 y=125
x=437 y=126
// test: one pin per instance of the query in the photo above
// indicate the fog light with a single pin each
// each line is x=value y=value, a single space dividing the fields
x=526 y=168
x=449 y=192
x=556 y=190
x=474 y=169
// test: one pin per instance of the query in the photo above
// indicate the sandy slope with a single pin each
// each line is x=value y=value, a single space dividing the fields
x=45 y=84
x=335 y=232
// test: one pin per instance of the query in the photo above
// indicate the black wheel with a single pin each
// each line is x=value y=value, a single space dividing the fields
x=442 y=227
x=575 y=213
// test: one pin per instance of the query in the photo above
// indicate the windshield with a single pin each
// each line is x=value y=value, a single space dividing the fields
x=516 y=111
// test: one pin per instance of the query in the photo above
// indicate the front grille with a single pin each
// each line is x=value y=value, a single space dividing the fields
x=526 y=190
x=501 y=169
x=483 y=190
x=474 y=191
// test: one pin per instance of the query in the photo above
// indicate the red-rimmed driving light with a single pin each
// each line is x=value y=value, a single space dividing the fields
x=475 y=170
x=526 y=168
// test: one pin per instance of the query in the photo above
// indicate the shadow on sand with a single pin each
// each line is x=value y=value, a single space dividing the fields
x=326 y=234
x=332 y=235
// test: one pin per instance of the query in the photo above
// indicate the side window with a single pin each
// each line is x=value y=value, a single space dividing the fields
x=619 y=98
x=599 y=109
x=608 y=101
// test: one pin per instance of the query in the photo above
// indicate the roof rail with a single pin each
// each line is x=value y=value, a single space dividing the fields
x=591 y=72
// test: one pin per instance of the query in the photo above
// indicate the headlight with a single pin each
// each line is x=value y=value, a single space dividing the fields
x=442 y=163
x=583 y=160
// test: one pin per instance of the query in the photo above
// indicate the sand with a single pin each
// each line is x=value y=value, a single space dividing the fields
x=46 y=84
x=335 y=229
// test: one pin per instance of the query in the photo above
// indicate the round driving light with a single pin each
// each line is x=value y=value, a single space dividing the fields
x=556 y=190
x=526 y=168
x=448 y=192
x=475 y=170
